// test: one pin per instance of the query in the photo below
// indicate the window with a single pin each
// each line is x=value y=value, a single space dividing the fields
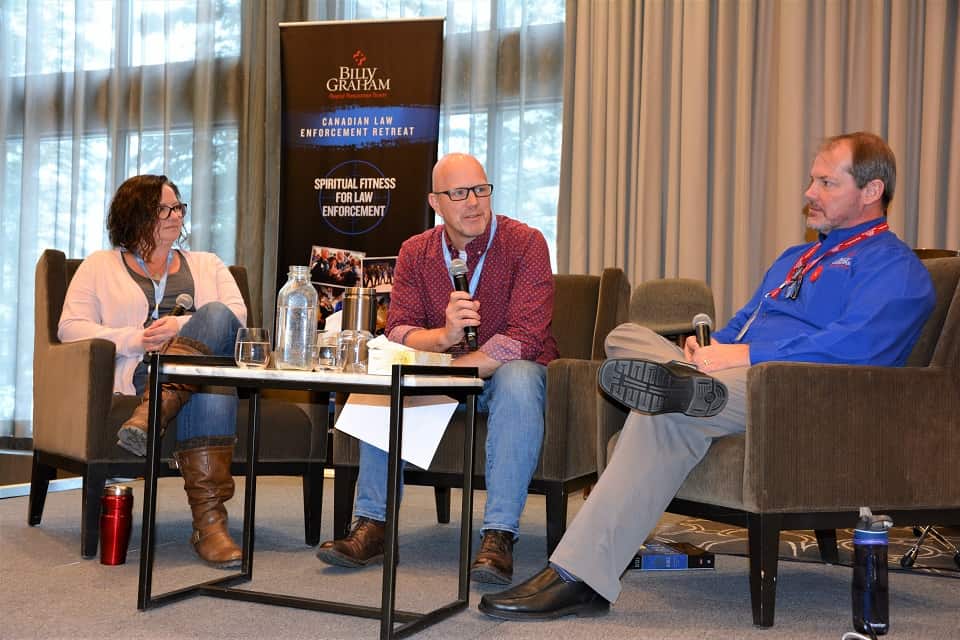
x=97 y=91
x=100 y=91
x=502 y=94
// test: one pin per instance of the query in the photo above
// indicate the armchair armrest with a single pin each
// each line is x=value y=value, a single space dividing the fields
x=836 y=437
x=73 y=384
x=569 y=444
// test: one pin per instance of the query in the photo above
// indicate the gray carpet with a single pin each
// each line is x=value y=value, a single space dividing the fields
x=48 y=591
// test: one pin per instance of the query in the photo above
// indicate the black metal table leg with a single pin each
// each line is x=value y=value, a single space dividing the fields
x=147 y=543
x=250 y=490
x=394 y=472
x=466 y=515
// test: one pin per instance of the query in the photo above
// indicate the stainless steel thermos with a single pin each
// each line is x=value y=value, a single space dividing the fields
x=116 y=517
x=360 y=309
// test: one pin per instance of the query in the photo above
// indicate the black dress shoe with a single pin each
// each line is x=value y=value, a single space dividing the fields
x=654 y=387
x=542 y=597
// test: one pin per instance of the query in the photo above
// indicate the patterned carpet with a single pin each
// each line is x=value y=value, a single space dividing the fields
x=801 y=546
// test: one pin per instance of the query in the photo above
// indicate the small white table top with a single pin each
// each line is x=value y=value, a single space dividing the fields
x=335 y=377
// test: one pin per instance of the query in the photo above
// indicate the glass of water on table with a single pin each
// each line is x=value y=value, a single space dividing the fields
x=252 y=349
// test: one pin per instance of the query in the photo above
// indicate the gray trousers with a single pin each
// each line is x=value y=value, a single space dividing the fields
x=652 y=458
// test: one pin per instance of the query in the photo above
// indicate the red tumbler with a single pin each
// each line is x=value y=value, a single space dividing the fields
x=116 y=517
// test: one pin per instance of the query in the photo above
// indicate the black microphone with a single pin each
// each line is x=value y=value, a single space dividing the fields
x=458 y=269
x=702 y=324
x=183 y=303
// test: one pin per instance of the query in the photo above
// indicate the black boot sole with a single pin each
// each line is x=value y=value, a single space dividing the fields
x=133 y=440
x=652 y=388
x=337 y=559
x=489 y=575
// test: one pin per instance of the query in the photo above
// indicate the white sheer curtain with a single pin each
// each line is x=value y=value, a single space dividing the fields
x=94 y=92
x=90 y=94
x=502 y=93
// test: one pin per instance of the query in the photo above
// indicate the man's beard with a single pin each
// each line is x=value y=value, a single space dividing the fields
x=824 y=227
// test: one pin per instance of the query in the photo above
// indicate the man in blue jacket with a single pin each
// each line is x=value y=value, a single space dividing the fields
x=858 y=295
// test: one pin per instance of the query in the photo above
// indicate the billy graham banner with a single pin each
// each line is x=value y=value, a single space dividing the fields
x=360 y=123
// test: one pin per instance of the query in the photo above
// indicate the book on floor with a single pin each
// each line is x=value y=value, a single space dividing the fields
x=654 y=555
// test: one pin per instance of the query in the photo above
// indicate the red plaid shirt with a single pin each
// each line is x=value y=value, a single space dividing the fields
x=515 y=291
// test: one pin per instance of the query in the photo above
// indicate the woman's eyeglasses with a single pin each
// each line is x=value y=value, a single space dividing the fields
x=164 y=211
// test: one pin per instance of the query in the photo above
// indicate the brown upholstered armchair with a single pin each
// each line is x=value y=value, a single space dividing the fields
x=823 y=440
x=667 y=305
x=586 y=308
x=76 y=417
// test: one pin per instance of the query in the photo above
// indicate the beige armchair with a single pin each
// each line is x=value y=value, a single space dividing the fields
x=76 y=417
x=586 y=308
x=823 y=440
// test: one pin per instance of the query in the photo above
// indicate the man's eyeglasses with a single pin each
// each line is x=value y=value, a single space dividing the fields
x=164 y=211
x=462 y=193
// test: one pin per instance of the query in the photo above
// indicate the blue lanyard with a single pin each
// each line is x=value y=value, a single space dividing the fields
x=475 y=280
x=158 y=286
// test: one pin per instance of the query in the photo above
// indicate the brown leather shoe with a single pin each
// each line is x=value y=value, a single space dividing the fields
x=494 y=561
x=362 y=546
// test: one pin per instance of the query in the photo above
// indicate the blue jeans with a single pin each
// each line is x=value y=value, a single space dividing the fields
x=213 y=412
x=513 y=399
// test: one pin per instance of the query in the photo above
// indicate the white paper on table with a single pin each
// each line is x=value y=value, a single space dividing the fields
x=425 y=419
x=333 y=321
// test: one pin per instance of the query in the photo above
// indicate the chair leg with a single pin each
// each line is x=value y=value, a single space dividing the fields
x=344 y=485
x=441 y=496
x=764 y=541
x=40 y=477
x=556 y=515
x=827 y=542
x=94 y=480
x=312 y=504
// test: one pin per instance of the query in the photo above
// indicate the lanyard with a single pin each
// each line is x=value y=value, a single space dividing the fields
x=158 y=286
x=475 y=280
x=802 y=266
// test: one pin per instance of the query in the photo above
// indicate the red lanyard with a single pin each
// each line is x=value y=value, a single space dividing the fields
x=801 y=267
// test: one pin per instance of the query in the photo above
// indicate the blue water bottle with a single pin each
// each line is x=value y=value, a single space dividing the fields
x=871 y=611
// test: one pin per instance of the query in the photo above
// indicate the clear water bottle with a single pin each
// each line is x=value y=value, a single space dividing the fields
x=296 y=320
x=871 y=608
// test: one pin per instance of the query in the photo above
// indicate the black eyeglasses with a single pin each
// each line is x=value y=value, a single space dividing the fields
x=462 y=193
x=164 y=211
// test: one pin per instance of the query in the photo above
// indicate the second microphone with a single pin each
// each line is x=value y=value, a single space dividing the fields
x=458 y=270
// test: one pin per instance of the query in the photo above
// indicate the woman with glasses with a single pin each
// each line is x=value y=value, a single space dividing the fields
x=130 y=296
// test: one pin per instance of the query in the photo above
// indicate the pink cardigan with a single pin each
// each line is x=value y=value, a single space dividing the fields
x=104 y=301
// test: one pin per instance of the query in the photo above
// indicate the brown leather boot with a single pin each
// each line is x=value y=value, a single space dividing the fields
x=132 y=436
x=208 y=483
x=494 y=561
x=362 y=546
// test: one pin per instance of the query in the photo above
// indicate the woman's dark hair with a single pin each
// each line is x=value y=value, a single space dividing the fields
x=133 y=213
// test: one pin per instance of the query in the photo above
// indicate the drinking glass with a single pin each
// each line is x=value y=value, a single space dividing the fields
x=352 y=351
x=326 y=350
x=252 y=348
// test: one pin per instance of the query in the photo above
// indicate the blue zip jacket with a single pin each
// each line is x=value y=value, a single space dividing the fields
x=867 y=306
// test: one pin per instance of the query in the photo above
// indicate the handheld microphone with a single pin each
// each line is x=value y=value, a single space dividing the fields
x=458 y=269
x=183 y=303
x=702 y=324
